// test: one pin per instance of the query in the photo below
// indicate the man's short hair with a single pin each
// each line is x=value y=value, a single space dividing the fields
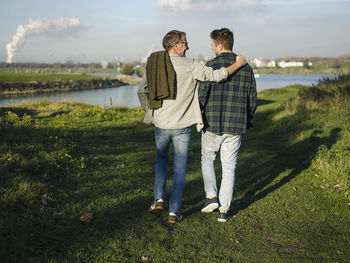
x=171 y=38
x=223 y=36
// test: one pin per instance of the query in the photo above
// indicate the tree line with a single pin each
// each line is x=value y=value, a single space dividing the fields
x=123 y=68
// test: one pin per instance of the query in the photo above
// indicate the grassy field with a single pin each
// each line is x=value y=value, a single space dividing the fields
x=25 y=77
x=291 y=203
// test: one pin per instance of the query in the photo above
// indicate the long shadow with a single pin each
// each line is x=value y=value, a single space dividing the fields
x=270 y=151
x=296 y=157
x=18 y=111
x=264 y=102
x=194 y=195
x=268 y=154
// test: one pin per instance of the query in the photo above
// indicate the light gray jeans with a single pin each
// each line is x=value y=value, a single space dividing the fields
x=229 y=146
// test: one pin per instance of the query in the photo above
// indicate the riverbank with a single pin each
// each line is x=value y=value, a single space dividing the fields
x=77 y=181
x=324 y=70
x=24 y=83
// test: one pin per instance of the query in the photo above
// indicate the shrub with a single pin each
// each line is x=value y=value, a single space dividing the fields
x=127 y=69
x=140 y=71
x=328 y=92
x=9 y=117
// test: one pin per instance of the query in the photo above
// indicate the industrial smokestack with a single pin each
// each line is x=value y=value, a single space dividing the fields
x=41 y=26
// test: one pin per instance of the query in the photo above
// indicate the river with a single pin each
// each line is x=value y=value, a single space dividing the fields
x=127 y=95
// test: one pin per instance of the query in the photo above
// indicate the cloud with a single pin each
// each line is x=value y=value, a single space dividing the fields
x=300 y=2
x=207 y=5
x=42 y=26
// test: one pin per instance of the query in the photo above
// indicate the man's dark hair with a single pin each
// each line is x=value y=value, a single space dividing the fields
x=223 y=36
x=171 y=38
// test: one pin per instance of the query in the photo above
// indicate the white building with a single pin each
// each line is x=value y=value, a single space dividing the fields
x=260 y=63
x=104 y=63
x=287 y=64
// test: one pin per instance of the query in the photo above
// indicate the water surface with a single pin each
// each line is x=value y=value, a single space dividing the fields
x=127 y=95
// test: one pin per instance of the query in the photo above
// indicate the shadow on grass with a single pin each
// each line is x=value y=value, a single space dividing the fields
x=265 y=153
x=272 y=153
x=18 y=111
x=264 y=102
x=117 y=185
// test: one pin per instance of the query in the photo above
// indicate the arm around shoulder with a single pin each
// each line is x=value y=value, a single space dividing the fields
x=240 y=61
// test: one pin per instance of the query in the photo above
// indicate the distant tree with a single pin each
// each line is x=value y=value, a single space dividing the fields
x=277 y=64
x=69 y=61
x=335 y=64
x=306 y=64
x=140 y=71
x=127 y=69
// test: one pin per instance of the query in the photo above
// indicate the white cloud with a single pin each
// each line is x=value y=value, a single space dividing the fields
x=207 y=5
x=301 y=2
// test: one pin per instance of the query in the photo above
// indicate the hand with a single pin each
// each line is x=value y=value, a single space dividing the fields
x=241 y=60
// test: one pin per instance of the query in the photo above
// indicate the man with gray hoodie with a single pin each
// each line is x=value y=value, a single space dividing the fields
x=175 y=116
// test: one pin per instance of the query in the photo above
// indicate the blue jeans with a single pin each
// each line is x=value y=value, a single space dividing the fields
x=229 y=147
x=181 y=141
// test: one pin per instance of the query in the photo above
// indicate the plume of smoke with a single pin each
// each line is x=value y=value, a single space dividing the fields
x=41 y=26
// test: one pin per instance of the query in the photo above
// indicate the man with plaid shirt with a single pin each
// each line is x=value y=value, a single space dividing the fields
x=228 y=108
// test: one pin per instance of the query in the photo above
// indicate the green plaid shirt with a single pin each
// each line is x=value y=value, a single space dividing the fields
x=228 y=107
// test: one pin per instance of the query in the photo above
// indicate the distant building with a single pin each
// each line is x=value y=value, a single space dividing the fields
x=104 y=63
x=288 y=64
x=285 y=63
x=263 y=63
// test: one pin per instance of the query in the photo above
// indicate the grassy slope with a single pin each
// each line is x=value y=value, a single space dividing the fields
x=291 y=202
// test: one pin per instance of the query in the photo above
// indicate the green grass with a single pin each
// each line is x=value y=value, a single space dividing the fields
x=291 y=202
x=318 y=69
x=25 y=77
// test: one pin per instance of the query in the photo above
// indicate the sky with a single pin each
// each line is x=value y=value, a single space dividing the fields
x=84 y=31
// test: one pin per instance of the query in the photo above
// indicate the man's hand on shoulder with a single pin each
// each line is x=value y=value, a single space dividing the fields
x=241 y=60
